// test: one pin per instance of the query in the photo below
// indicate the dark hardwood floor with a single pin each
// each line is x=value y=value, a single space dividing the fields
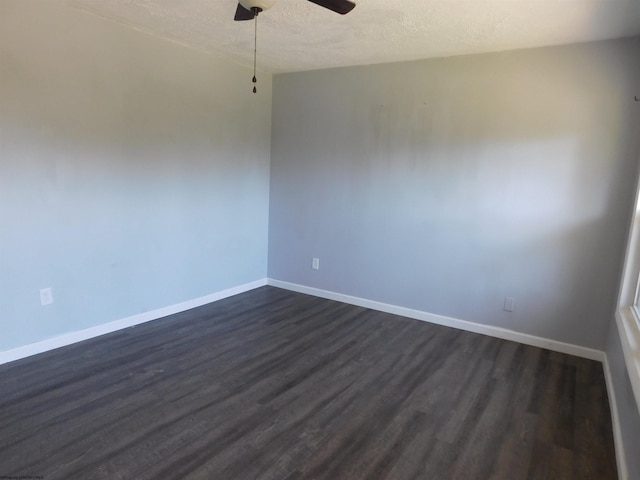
x=274 y=385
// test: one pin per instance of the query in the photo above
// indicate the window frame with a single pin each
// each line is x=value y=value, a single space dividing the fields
x=628 y=306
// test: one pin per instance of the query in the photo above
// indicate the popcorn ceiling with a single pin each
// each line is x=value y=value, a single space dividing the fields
x=297 y=35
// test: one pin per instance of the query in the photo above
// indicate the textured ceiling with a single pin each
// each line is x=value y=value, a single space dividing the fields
x=298 y=35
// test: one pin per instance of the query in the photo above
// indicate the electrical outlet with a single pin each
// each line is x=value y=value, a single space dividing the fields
x=46 y=296
x=509 y=304
x=315 y=264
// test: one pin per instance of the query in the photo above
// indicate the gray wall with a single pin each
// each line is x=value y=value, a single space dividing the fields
x=446 y=185
x=627 y=407
x=134 y=173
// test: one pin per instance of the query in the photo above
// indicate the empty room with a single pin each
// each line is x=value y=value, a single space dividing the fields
x=286 y=240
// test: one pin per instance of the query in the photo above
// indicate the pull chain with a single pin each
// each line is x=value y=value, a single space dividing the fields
x=255 y=48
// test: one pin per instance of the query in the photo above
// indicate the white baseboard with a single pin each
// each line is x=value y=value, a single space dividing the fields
x=73 y=337
x=621 y=460
x=497 y=332
x=80 y=335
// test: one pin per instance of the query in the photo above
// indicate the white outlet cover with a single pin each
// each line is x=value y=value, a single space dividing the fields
x=46 y=296
x=509 y=304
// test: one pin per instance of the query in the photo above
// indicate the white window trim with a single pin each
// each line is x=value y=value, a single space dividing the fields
x=628 y=313
x=629 y=330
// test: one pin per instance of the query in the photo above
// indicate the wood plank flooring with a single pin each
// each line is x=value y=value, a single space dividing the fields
x=275 y=385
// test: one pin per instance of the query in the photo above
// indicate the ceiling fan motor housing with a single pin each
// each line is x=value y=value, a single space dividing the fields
x=259 y=4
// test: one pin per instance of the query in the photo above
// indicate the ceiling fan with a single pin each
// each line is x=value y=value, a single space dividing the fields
x=249 y=9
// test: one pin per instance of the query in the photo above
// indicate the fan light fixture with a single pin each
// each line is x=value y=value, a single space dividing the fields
x=259 y=4
x=249 y=10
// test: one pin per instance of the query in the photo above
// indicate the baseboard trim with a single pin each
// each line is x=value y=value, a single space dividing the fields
x=621 y=460
x=497 y=332
x=80 y=335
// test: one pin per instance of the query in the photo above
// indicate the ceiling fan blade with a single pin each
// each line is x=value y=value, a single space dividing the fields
x=338 y=6
x=243 y=14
